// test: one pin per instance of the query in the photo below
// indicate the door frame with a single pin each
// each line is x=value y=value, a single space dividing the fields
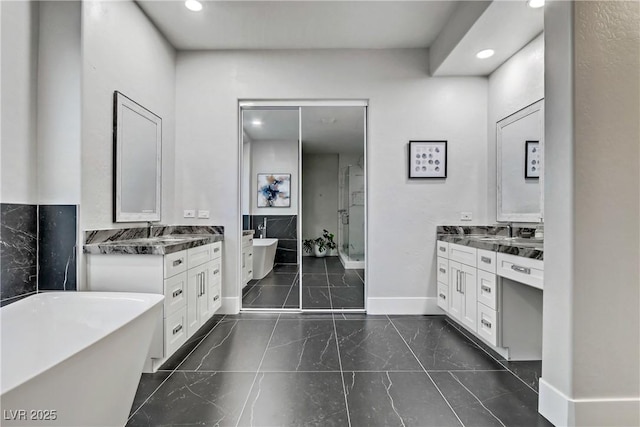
x=299 y=103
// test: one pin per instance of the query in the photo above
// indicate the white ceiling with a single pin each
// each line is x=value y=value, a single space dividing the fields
x=300 y=24
x=324 y=129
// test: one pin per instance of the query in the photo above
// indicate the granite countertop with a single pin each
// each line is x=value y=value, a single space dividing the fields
x=492 y=239
x=248 y=232
x=164 y=240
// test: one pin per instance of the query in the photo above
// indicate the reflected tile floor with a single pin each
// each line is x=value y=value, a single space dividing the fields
x=348 y=370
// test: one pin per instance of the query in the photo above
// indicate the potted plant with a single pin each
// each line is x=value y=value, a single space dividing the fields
x=316 y=246
x=328 y=237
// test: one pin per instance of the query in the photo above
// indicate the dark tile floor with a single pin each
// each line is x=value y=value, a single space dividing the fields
x=335 y=370
x=326 y=285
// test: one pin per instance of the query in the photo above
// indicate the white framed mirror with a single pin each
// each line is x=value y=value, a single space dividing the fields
x=520 y=166
x=137 y=161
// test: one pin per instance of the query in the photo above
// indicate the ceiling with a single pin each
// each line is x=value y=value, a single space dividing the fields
x=300 y=24
x=324 y=129
x=454 y=31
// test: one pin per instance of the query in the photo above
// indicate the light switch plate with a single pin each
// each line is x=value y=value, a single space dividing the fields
x=203 y=214
x=189 y=213
x=466 y=216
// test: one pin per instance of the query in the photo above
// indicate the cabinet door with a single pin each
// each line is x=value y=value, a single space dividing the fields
x=212 y=278
x=469 y=291
x=455 y=296
x=194 y=291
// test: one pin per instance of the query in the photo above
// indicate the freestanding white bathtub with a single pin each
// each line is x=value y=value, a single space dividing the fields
x=264 y=252
x=74 y=358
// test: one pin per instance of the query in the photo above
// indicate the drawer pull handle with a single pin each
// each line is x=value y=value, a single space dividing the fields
x=177 y=262
x=442 y=249
x=443 y=296
x=485 y=259
x=250 y=254
x=216 y=271
x=177 y=329
x=216 y=250
x=250 y=271
x=485 y=289
x=520 y=269
x=216 y=298
x=486 y=323
x=177 y=293
x=442 y=270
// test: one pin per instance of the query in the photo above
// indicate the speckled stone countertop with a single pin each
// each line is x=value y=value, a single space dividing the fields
x=159 y=240
x=248 y=232
x=492 y=238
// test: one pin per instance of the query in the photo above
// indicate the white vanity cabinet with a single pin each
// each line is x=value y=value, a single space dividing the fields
x=190 y=281
x=247 y=259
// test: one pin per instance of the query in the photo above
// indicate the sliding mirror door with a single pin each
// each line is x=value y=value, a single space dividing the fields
x=333 y=208
x=270 y=208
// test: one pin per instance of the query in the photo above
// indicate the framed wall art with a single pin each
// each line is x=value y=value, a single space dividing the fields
x=274 y=190
x=532 y=160
x=427 y=159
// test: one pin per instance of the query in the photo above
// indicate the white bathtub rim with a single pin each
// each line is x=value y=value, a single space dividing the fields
x=265 y=242
x=45 y=367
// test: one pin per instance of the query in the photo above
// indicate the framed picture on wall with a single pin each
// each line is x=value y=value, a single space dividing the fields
x=532 y=160
x=274 y=190
x=427 y=159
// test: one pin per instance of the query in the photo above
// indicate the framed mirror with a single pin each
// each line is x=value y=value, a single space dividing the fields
x=520 y=167
x=137 y=134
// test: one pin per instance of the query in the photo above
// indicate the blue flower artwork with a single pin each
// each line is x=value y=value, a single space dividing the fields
x=274 y=190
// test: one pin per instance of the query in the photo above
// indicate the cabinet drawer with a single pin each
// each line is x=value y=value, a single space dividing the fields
x=487 y=324
x=524 y=270
x=443 y=270
x=199 y=255
x=247 y=241
x=463 y=254
x=175 y=331
x=487 y=260
x=175 y=293
x=216 y=250
x=442 y=248
x=216 y=270
x=216 y=296
x=487 y=289
x=443 y=297
x=175 y=263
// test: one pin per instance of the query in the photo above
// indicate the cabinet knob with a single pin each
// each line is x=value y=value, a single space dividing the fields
x=443 y=296
x=216 y=250
x=177 y=293
x=485 y=259
x=177 y=262
x=442 y=249
x=216 y=298
x=485 y=289
x=216 y=271
x=486 y=323
x=177 y=329
x=442 y=270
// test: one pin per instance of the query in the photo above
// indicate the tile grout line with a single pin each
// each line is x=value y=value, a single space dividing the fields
x=344 y=387
x=326 y=275
x=478 y=399
x=506 y=368
x=425 y=371
x=289 y=293
x=175 y=369
x=244 y=406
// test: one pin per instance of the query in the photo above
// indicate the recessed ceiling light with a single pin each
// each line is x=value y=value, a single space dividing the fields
x=193 y=5
x=484 y=54
x=535 y=4
x=256 y=123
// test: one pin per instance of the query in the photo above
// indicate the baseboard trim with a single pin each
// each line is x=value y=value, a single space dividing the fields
x=230 y=305
x=426 y=306
x=560 y=410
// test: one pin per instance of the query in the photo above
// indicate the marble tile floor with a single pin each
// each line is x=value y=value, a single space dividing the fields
x=326 y=285
x=346 y=369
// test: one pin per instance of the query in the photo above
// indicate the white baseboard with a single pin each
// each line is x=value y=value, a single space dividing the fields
x=403 y=306
x=230 y=305
x=563 y=411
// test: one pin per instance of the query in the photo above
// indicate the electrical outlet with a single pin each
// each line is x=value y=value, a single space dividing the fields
x=189 y=213
x=203 y=214
x=465 y=216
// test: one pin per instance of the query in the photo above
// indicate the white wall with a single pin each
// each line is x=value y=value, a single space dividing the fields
x=59 y=106
x=512 y=86
x=591 y=342
x=274 y=157
x=404 y=104
x=19 y=50
x=319 y=195
x=122 y=50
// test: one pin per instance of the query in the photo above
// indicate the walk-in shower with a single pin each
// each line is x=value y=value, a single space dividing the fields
x=351 y=214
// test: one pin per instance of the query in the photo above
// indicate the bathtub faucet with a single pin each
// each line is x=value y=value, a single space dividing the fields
x=263 y=228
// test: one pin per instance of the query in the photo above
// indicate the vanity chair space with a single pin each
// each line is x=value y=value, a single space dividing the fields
x=491 y=285
x=186 y=269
